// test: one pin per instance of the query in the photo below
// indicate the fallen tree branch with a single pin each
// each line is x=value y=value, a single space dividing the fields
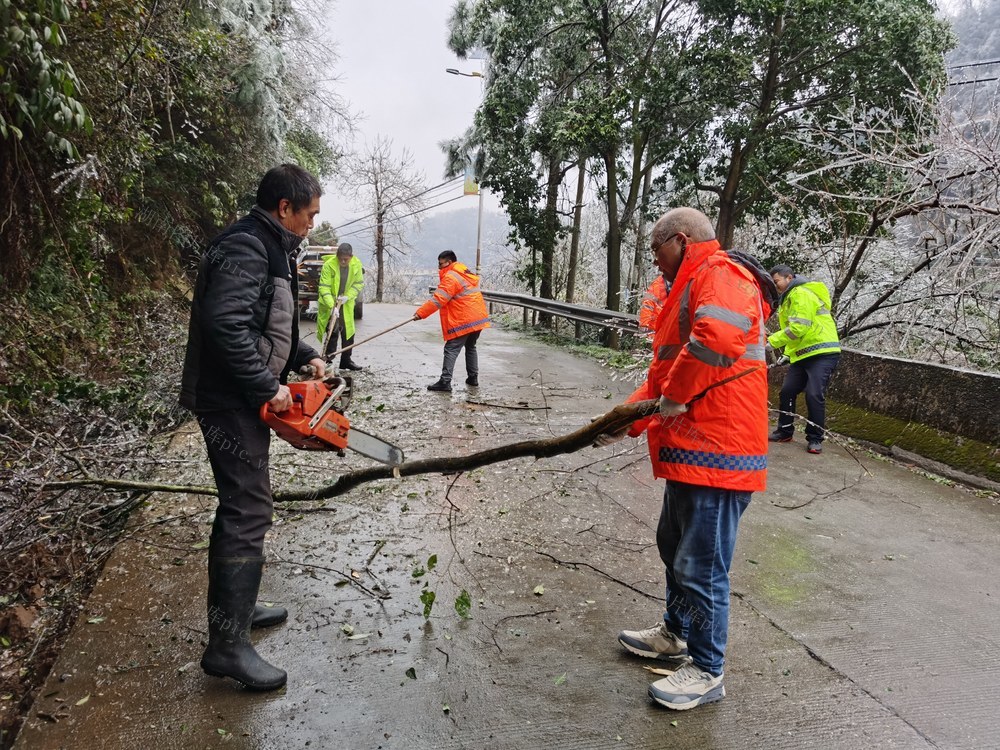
x=616 y=419
x=507 y=406
x=612 y=421
x=129 y=484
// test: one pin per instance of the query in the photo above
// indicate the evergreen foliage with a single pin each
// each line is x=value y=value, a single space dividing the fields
x=130 y=133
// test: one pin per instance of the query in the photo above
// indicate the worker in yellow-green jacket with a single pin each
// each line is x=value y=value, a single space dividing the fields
x=808 y=335
x=340 y=282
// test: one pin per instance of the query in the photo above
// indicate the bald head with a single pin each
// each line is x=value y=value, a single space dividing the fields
x=690 y=222
x=671 y=235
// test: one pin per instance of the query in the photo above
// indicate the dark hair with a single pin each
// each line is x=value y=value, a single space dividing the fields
x=345 y=249
x=782 y=270
x=287 y=182
x=449 y=256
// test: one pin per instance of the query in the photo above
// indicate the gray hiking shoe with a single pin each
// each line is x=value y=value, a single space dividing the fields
x=688 y=687
x=654 y=643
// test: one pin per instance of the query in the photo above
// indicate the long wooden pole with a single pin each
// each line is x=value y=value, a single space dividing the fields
x=331 y=355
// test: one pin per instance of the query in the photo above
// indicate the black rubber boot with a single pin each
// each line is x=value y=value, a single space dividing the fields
x=266 y=617
x=232 y=594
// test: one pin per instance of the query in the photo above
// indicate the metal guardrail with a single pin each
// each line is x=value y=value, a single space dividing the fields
x=581 y=313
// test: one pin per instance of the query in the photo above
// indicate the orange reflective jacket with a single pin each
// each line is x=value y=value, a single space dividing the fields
x=462 y=307
x=711 y=328
x=652 y=303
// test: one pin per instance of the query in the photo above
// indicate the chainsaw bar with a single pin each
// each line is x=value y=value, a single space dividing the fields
x=373 y=447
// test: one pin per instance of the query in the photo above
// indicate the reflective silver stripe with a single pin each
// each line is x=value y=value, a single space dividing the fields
x=437 y=304
x=683 y=318
x=739 y=320
x=761 y=340
x=443 y=293
x=755 y=352
x=703 y=354
x=801 y=321
x=467 y=292
x=792 y=336
x=822 y=311
x=462 y=281
x=668 y=351
x=814 y=347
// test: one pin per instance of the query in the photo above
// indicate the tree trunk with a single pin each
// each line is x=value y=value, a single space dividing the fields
x=638 y=281
x=613 y=298
x=550 y=233
x=574 y=245
x=730 y=210
x=380 y=255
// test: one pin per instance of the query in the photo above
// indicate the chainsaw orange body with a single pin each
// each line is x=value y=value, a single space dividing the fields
x=314 y=421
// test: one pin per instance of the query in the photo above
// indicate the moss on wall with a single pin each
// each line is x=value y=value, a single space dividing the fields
x=965 y=454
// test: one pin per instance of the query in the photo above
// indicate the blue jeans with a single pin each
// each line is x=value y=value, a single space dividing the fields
x=451 y=349
x=811 y=375
x=696 y=536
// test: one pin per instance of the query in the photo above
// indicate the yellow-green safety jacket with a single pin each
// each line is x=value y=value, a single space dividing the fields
x=807 y=327
x=329 y=283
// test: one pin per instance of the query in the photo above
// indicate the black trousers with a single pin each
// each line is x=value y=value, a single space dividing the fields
x=345 y=357
x=811 y=375
x=340 y=333
x=238 y=443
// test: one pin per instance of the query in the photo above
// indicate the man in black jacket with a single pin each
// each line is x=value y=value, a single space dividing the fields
x=243 y=341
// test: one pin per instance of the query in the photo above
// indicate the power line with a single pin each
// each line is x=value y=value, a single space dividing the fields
x=417 y=195
x=974 y=80
x=973 y=64
x=370 y=227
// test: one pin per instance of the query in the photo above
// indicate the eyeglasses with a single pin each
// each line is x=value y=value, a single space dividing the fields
x=656 y=248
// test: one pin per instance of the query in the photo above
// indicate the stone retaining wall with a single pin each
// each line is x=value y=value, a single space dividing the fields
x=947 y=414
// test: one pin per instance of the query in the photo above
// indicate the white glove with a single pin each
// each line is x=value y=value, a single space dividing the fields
x=342 y=299
x=608 y=438
x=670 y=408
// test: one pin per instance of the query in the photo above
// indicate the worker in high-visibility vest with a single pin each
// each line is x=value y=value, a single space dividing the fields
x=652 y=303
x=341 y=280
x=808 y=335
x=463 y=318
x=708 y=439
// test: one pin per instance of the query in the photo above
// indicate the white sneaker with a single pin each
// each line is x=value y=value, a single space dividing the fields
x=686 y=688
x=656 y=642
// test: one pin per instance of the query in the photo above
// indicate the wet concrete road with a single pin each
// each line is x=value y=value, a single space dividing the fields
x=865 y=597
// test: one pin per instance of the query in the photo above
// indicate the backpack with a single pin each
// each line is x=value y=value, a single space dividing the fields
x=768 y=291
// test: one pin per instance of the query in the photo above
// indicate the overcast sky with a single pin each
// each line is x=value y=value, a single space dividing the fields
x=392 y=60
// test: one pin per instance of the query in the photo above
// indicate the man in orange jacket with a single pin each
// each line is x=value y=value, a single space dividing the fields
x=652 y=303
x=463 y=317
x=708 y=439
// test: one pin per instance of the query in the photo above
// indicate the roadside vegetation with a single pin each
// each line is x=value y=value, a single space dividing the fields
x=129 y=133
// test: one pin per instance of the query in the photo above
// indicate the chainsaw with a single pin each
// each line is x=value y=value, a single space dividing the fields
x=316 y=421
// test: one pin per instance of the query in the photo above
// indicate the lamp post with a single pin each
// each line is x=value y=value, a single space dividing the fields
x=479 y=189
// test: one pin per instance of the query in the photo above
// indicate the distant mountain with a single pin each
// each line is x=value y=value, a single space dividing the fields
x=451 y=230
x=456 y=231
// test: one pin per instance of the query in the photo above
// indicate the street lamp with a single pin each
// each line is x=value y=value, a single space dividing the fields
x=479 y=189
